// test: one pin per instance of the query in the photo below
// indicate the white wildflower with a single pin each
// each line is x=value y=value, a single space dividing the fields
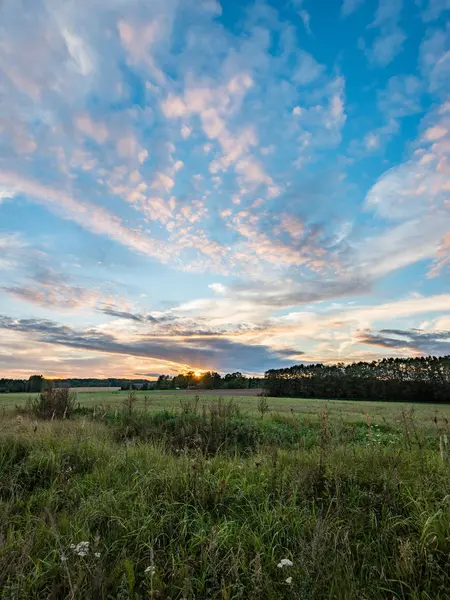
x=150 y=570
x=97 y=554
x=82 y=548
x=289 y=580
x=63 y=558
x=285 y=562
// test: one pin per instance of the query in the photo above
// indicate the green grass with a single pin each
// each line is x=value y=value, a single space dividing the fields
x=209 y=501
x=349 y=410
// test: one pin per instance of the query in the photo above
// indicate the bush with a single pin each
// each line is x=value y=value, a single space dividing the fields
x=53 y=403
x=219 y=428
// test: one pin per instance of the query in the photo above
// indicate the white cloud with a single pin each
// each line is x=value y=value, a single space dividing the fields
x=142 y=156
x=214 y=105
x=377 y=137
x=436 y=133
x=306 y=19
x=139 y=39
x=89 y=216
x=307 y=69
x=390 y=41
x=218 y=288
x=128 y=147
x=349 y=6
x=387 y=11
x=401 y=97
x=415 y=194
x=386 y=47
x=185 y=132
x=173 y=106
x=95 y=130
x=78 y=51
x=163 y=182
x=6 y=194
x=434 y=9
x=372 y=141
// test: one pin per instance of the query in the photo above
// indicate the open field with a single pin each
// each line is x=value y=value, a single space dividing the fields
x=215 y=504
x=95 y=389
x=349 y=410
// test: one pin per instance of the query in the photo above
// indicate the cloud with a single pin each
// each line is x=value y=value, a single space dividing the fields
x=91 y=217
x=419 y=185
x=434 y=60
x=96 y=131
x=307 y=69
x=435 y=343
x=185 y=132
x=13 y=250
x=434 y=9
x=63 y=296
x=401 y=97
x=306 y=19
x=349 y=6
x=214 y=104
x=390 y=41
x=412 y=199
x=210 y=352
x=386 y=47
x=442 y=260
x=120 y=314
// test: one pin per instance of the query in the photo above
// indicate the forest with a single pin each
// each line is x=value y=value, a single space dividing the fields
x=424 y=379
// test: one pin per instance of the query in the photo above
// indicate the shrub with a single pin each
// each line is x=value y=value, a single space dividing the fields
x=53 y=403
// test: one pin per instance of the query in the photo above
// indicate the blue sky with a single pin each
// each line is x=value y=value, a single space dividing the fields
x=222 y=185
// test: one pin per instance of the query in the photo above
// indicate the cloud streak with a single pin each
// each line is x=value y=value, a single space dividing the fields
x=211 y=352
x=435 y=343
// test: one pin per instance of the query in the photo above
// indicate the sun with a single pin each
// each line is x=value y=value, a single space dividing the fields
x=198 y=374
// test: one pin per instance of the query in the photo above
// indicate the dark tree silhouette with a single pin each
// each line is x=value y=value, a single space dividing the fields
x=425 y=379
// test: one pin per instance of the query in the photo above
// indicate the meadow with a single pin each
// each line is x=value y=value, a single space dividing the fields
x=177 y=497
x=348 y=410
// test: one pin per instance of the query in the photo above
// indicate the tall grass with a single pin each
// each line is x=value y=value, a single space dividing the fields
x=52 y=403
x=362 y=512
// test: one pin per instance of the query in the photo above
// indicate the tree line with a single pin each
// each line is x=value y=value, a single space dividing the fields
x=424 y=379
x=36 y=383
x=210 y=380
x=207 y=381
x=33 y=384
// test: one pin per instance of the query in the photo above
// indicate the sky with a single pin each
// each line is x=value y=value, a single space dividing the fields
x=224 y=185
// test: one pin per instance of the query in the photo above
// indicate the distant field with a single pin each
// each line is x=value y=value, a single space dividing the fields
x=95 y=389
x=349 y=410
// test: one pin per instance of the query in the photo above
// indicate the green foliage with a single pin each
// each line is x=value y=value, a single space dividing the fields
x=52 y=403
x=263 y=406
x=35 y=384
x=128 y=403
x=361 y=510
x=424 y=379
x=219 y=428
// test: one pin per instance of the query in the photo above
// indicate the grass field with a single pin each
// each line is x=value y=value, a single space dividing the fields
x=348 y=410
x=211 y=501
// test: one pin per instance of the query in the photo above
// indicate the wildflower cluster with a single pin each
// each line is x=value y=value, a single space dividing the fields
x=285 y=562
x=80 y=549
x=375 y=436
